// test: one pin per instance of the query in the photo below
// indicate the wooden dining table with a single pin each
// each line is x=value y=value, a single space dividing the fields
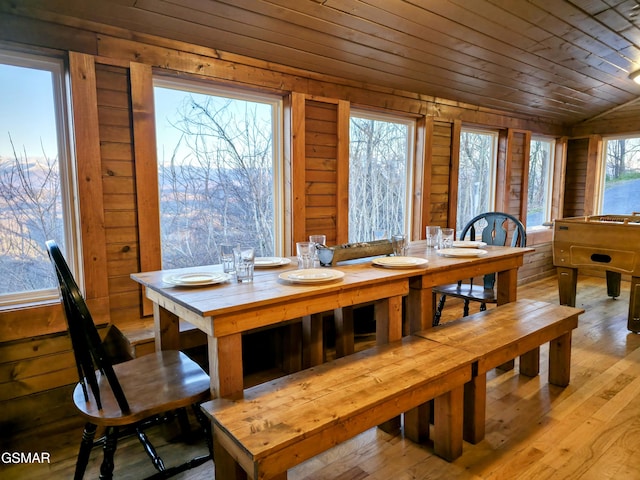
x=226 y=310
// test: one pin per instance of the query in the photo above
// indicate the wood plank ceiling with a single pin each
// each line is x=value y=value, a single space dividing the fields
x=560 y=60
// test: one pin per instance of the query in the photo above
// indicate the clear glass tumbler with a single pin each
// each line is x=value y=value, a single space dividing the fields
x=306 y=254
x=399 y=243
x=244 y=262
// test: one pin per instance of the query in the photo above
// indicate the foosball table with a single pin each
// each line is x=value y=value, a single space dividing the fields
x=602 y=242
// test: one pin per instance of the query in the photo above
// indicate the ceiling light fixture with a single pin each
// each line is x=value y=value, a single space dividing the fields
x=635 y=76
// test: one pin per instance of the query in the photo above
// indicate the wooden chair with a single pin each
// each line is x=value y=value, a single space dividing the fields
x=495 y=228
x=126 y=397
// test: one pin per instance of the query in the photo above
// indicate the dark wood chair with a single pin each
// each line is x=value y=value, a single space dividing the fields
x=126 y=397
x=495 y=228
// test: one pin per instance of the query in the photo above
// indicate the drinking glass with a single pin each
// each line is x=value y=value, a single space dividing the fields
x=399 y=243
x=226 y=257
x=321 y=239
x=446 y=237
x=317 y=240
x=433 y=236
x=244 y=261
x=306 y=254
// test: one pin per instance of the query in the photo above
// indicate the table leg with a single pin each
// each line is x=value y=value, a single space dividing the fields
x=507 y=291
x=388 y=313
x=507 y=286
x=225 y=365
x=613 y=283
x=633 y=323
x=419 y=306
x=312 y=341
x=167 y=329
x=343 y=321
x=567 y=280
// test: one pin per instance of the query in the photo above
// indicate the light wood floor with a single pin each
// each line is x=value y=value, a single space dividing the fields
x=589 y=430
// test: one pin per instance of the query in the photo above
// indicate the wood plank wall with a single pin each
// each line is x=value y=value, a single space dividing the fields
x=118 y=184
x=35 y=359
x=440 y=174
x=321 y=169
x=576 y=178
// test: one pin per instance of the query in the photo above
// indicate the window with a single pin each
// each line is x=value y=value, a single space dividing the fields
x=540 y=182
x=477 y=175
x=35 y=177
x=380 y=159
x=219 y=171
x=620 y=178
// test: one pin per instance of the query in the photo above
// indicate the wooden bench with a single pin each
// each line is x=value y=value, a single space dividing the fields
x=282 y=423
x=139 y=336
x=516 y=329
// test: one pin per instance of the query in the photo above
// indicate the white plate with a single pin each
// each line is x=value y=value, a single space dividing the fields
x=461 y=252
x=311 y=275
x=271 y=262
x=196 y=279
x=469 y=244
x=400 y=262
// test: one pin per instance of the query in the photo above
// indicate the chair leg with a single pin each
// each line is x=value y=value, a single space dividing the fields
x=483 y=307
x=465 y=311
x=86 y=445
x=151 y=451
x=183 y=421
x=438 y=314
x=110 y=445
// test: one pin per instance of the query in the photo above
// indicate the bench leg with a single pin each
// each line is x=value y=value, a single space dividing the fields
x=447 y=424
x=416 y=423
x=506 y=366
x=560 y=360
x=475 y=402
x=225 y=465
x=392 y=426
x=530 y=363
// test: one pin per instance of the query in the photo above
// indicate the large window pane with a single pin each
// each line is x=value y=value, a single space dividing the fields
x=35 y=204
x=217 y=172
x=621 y=176
x=476 y=181
x=379 y=173
x=540 y=184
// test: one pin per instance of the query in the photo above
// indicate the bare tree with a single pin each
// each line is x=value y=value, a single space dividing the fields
x=539 y=163
x=474 y=179
x=377 y=177
x=217 y=185
x=30 y=213
x=620 y=152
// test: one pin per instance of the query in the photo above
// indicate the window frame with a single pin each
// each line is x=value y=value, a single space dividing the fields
x=493 y=174
x=207 y=87
x=550 y=186
x=67 y=173
x=598 y=198
x=410 y=123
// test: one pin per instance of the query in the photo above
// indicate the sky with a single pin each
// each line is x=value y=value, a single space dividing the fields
x=26 y=111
